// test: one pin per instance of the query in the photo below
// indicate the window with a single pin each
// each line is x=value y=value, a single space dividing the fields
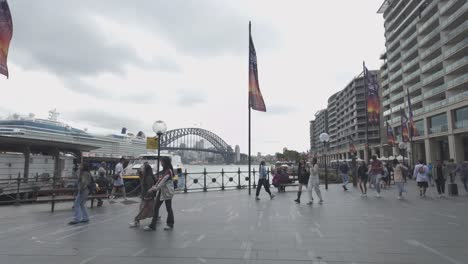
x=420 y=127
x=438 y=124
x=461 y=117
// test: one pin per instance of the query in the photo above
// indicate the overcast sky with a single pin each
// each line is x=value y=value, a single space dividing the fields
x=105 y=64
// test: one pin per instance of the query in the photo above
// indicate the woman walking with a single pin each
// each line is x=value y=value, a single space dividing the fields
x=363 y=178
x=79 y=207
x=165 y=192
x=303 y=177
x=314 y=182
x=440 y=176
x=147 y=180
x=399 y=176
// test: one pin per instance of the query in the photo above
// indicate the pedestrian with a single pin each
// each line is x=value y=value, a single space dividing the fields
x=102 y=183
x=79 y=206
x=314 y=182
x=147 y=180
x=363 y=178
x=181 y=178
x=440 y=176
x=429 y=174
x=263 y=181
x=462 y=169
x=303 y=174
x=400 y=177
x=118 y=183
x=376 y=171
x=420 y=173
x=344 y=170
x=165 y=192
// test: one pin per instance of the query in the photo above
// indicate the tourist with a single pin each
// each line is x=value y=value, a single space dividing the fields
x=303 y=178
x=420 y=173
x=440 y=176
x=462 y=169
x=314 y=182
x=429 y=174
x=400 y=177
x=165 y=192
x=147 y=181
x=102 y=183
x=344 y=170
x=376 y=171
x=181 y=179
x=79 y=206
x=262 y=180
x=363 y=178
x=118 y=180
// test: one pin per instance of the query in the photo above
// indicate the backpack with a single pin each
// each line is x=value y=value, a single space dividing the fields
x=421 y=169
x=92 y=185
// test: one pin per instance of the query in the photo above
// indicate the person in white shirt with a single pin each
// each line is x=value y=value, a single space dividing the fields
x=420 y=173
x=314 y=182
x=118 y=180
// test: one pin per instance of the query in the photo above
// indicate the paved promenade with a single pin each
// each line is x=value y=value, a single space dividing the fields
x=231 y=227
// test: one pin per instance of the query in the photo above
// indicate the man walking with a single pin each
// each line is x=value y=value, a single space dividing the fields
x=262 y=180
x=376 y=171
x=420 y=173
x=118 y=180
x=344 y=169
x=462 y=169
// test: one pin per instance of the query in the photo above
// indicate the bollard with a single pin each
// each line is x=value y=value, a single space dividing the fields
x=222 y=179
x=18 y=183
x=204 y=180
x=238 y=179
x=185 y=182
x=254 y=186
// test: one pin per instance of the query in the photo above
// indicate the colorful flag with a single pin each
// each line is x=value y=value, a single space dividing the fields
x=255 y=96
x=373 y=102
x=390 y=136
x=404 y=126
x=6 y=32
x=413 y=131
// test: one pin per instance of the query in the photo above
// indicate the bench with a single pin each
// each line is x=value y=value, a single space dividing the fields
x=282 y=187
x=64 y=195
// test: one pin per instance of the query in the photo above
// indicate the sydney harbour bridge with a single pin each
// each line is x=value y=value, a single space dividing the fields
x=199 y=140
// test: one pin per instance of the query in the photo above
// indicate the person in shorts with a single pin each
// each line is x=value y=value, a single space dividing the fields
x=118 y=184
x=420 y=173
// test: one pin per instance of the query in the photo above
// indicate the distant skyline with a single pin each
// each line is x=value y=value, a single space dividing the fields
x=108 y=64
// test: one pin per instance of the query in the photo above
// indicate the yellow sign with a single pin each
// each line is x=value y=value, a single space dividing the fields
x=152 y=143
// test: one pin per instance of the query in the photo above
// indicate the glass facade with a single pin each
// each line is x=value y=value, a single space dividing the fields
x=438 y=124
x=420 y=127
x=461 y=118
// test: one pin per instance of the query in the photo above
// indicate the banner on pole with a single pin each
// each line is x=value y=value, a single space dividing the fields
x=6 y=33
x=390 y=135
x=373 y=101
x=404 y=126
x=255 y=96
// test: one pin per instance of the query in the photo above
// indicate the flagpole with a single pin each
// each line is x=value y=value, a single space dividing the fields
x=367 y=114
x=250 y=161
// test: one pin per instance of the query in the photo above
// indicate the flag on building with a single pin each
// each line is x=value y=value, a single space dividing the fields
x=390 y=135
x=6 y=32
x=413 y=131
x=255 y=96
x=404 y=126
x=373 y=101
x=352 y=148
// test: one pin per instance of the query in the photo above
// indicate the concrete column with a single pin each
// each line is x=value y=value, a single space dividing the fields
x=455 y=144
x=27 y=156
x=366 y=155
x=427 y=145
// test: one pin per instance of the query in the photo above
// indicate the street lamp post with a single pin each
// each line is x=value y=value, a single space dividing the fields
x=159 y=127
x=402 y=146
x=324 y=138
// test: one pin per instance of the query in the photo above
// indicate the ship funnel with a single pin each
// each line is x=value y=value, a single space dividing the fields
x=141 y=134
x=124 y=131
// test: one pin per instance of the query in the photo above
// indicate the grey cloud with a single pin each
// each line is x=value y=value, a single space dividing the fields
x=189 y=98
x=105 y=120
x=280 y=109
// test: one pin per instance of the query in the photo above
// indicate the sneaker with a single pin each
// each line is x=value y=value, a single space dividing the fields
x=310 y=202
x=344 y=188
x=272 y=196
x=297 y=201
x=168 y=227
x=257 y=198
x=149 y=228
x=378 y=195
x=73 y=222
x=363 y=194
x=84 y=221
x=321 y=202
x=399 y=197
x=133 y=224
x=159 y=219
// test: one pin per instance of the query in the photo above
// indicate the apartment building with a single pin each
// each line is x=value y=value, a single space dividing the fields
x=426 y=57
x=318 y=126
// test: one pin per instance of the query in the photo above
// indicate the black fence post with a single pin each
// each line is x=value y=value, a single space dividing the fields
x=18 y=183
x=238 y=179
x=204 y=180
x=222 y=179
x=53 y=194
x=185 y=182
x=254 y=186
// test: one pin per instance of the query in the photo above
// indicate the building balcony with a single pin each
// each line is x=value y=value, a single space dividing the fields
x=430 y=36
x=454 y=33
x=456 y=65
x=387 y=112
x=435 y=76
x=410 y=77
x=446 y=7
x=415 y=87
x=417 y=99
x=423 y=55
x=435 y=91
x=438 y=129
x=457 y=82
x=394 y=65
x=396 y=86
x=397 y=108
x=410 y=39
x=432 y=63
x=453 y=17
x=395 y=75
x=426 y=24
x=457 y=48
x=409 y=52
x=461 y=124
x=409 y=65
